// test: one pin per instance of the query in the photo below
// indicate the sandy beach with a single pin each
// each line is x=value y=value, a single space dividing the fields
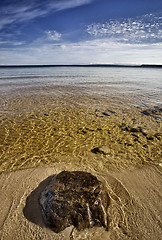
x=134 y=212
x=86 y=123
x=80 y=120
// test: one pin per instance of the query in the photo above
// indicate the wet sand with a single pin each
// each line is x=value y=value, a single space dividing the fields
x=134 y=212
x=45 y=130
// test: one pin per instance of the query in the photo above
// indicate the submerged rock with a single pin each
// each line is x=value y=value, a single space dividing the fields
x=74 y=198
x=102 y=150
x=153 y=112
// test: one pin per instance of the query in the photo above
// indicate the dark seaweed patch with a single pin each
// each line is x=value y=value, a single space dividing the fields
x=105 y=114
x=155 y=112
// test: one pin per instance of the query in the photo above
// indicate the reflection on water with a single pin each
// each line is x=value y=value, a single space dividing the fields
x=63 y=114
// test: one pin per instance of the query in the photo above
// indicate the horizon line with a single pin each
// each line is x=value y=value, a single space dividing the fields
x=82 y=65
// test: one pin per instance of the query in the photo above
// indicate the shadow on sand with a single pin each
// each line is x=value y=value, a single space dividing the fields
x=32 y=209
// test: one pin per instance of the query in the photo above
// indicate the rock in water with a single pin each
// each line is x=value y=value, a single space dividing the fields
x=74 y=198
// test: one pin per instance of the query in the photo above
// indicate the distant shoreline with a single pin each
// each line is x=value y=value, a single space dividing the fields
x=83 y=65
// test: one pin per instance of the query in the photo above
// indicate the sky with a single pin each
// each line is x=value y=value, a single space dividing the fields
x=80 y=32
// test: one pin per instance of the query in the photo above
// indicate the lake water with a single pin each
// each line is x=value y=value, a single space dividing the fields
x=104 y=117
x=146 y=83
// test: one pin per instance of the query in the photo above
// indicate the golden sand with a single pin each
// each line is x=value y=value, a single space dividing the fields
x=134 y=211
x=42 y=131
x=43 y=134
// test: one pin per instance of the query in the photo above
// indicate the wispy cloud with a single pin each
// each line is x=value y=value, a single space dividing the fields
x=143 y=29
x=66 y=4
x=91 y=51
x=20 y=11
x=132 y=40
x=11 y=43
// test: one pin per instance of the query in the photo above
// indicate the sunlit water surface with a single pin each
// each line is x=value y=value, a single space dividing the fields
x=99 y=120
x=105 y=118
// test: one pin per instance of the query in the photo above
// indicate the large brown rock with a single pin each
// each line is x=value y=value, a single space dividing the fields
x=74 y=198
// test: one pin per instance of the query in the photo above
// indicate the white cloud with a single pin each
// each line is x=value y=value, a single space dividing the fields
x=84 y=52
x=25 y=11
x=12 y=43
x=53 y=35
x=66 y=4
x=137 y=40
x=143 y=29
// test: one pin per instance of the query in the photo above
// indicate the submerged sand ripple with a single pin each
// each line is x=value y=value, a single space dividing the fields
x=54 y=135
x=68 y=129
x=98 y=126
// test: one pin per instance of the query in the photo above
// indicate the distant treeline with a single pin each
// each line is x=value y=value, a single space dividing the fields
x=83 y=65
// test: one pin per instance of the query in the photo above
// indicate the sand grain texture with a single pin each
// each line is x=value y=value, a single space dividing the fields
x=134 y=212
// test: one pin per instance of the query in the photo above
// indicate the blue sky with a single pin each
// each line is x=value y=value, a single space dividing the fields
x=80 y=32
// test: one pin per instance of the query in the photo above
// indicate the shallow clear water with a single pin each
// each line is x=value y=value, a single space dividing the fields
x=62 y=114
x=144 y=82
